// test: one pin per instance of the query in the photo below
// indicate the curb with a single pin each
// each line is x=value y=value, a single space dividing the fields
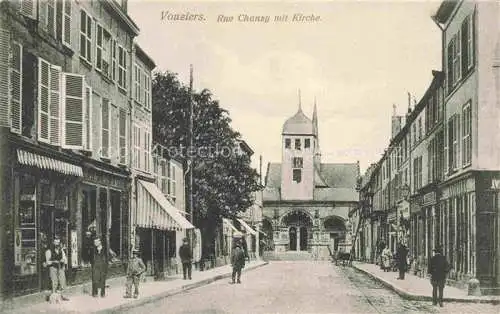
x=169 y=293
x=417 y=297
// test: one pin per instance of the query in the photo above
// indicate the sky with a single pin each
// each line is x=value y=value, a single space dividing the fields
x=357 y=59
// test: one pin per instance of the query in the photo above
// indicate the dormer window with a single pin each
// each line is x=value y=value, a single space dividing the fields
x=288 y=143
x=297 y=144
x=307 y=143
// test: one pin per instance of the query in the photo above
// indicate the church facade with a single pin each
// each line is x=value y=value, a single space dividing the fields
x=306 y=203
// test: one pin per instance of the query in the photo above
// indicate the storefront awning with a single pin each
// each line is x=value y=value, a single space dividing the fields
x=229 y=224
x=155 y=211
x=247 y=227
x=47 y=163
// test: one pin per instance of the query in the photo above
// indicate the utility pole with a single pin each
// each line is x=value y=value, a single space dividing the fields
x=190 y=149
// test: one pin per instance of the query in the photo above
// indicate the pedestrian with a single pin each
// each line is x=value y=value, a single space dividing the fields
x=186 y=255
x=386 y=258
x=56 y=261
x=238 y=262
x=401 y=255
x=438 y=269
x=99 y=268
x=135 y=269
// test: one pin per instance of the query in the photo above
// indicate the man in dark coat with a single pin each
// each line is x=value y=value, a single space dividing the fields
x=186 y=255
x=401 y=255
x=99 y=268
x=438 y=268
x=237 y=261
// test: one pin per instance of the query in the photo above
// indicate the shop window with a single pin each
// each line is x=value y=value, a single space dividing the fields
x=25 y=245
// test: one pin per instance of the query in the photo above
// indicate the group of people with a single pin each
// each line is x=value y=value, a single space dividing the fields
x=438 y=267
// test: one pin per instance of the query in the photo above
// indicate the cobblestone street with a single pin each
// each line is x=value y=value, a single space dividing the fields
x=301 y=287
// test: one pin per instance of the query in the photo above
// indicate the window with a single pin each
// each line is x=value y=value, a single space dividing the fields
x=103 y=51
x=466 y=134
x=137 y=146
x=122 y=67
x=122 y=136
x=297 y=175
x=419 y=128
x=105 y=127
x=28 y=8
x=453 y=135
x=85 y=36
x=147 y=151
x=172 y=183
x=147 y=90
x=414 y=134
x=16 y=88
x=163 y=176
x=137 y=84
x=454 y=62
x=288 y=143
x=50 y=18
x=297 y=162
x=417 y=173
x=467 y=43
x=66 y=23
x=114 y=63
x=307 y=143
x=87 y=127
x=297 y=144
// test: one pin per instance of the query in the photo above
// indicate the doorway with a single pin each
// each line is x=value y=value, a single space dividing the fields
x=293 y=239
x=303 y=238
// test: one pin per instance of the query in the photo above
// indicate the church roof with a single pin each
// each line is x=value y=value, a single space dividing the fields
x=333 y=182
x=299 y=124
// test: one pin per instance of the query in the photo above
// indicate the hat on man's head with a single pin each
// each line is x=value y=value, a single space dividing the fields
x=438 y=249
x=185 y=240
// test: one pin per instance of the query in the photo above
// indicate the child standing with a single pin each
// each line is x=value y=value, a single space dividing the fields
x=135 y=269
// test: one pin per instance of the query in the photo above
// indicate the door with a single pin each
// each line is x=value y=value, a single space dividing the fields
x=293 y=239
x=303 y=238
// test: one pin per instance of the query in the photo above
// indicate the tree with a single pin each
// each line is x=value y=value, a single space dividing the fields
x=223 y=181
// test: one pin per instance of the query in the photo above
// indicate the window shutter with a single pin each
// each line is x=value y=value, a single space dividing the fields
x=4 y=77
x=43 y=100
x=66 y=24
x=113 y=133
x=87 y=136
x=28 y=8
x=105 y=128
x=123 y=136
x=114 y=62
x=51 y=17
x=73 y=88
x=55 y=105
x=16 y=88
x=42 y=14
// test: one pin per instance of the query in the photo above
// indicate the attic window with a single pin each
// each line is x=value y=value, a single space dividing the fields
x=297 y=144
x=288 y=143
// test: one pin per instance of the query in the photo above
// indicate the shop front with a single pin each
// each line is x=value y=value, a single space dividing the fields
x=159 y=228
x=43 y=191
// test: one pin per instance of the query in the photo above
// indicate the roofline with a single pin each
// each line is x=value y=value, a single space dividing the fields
x=116 y=9
x=301 y=134
x=445 y=10
x=144 y=57
x=246 y=147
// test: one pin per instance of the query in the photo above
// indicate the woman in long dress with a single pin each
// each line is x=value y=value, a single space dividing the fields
x=386 y=259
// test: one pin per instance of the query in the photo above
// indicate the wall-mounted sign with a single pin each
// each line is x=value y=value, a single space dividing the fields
x=429 y=199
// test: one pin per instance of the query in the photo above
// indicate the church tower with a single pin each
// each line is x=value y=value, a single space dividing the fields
x=299 y=144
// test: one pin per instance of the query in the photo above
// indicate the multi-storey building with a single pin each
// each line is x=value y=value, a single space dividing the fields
x=65 y=77
x=469 y=194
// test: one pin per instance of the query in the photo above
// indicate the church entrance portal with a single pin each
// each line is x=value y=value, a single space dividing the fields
x=303 y=238
x=299 y=226
x=293 y=239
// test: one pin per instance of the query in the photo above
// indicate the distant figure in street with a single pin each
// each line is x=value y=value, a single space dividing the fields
x=135 y=269
x=56 y=261
x=186 y=256
x=386 y=259
x=401 y=258
x=238 y=262
x=99 y=261
x=438 y=268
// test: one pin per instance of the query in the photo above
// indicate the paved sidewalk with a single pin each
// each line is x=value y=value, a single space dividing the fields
x=420 y=289
x=149 y=291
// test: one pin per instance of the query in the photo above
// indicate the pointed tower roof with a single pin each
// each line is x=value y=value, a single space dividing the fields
x=315 y=118
x=299 y=124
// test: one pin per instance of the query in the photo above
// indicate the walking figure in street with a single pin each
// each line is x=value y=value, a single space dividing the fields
x=386 y=259
x=99 y=261
x=237 y=261
x=186 y=255
x=438 y=269
x=56 y=261
x=401 y=258
x=135 y=269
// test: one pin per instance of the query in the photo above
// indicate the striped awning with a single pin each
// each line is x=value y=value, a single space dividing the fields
x=247 y=227
x=154 y=211
x=47 y=163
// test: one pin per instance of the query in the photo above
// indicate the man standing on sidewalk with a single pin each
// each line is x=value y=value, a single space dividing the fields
x=186 y=255
x=56 y=261
x=237 y=261
x=438 y=268
x=99 y=268
x=401 y=256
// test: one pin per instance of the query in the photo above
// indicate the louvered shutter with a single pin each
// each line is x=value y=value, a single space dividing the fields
x=113 y=61
x=42 y=14
x=55 y=105
x=16 y=88
x=123 y=136
x=28 y=8
x=87 y=119
x=51 y=17
x=43 y=100
x=105 y=128
x=4 y=77
x=113 y=133
x=66 y=23
x=73 y=88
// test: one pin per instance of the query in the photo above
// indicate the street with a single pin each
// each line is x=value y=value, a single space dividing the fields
x=300 y=287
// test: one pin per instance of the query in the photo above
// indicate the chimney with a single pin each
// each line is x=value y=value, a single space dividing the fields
x=124 y=5
x=395 y=123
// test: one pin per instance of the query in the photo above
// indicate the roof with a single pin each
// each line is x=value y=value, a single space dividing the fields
x=444 y=11
x=333 y=182
x=144 y=57
x=299 y=124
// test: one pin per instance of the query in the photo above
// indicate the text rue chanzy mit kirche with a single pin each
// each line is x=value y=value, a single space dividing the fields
x=241 y=18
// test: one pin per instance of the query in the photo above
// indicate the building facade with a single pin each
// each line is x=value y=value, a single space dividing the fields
x=65 y=77
x=306 y=203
